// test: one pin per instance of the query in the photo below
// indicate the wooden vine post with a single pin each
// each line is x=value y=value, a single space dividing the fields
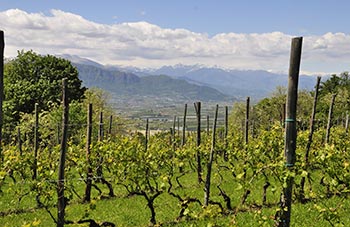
x=178 y=127
x=208 y=119
x=110 y=126
x=99 y=170
x=346 y=122
x=290 y=130
x=89 y=175
x=183 y=141
x=2 y=47
x=173 y=134
x=197 y=107
x=312 y=120
x=100 y=128
x=146 y=135
x=36 y=141
x=283 y=114
x=308 y=145
x=58 y=133
x=60 y=183
x=19 y=141
x=210 y=162
x=329 y=123
x=226 y=126
x=246 y=133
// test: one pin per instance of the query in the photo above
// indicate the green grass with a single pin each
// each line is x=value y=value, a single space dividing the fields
x=126 y=210
x=132 y=212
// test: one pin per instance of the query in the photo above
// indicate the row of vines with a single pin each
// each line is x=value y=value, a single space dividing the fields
x=245 y=176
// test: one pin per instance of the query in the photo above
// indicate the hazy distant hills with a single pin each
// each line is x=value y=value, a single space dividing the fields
x=184 y=82
x=237 y=83
x=125 y=84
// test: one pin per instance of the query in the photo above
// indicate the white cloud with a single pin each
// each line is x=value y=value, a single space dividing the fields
x=147 y=45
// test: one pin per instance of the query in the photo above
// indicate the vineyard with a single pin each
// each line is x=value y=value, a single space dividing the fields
x=162 y=175
x=229 y=174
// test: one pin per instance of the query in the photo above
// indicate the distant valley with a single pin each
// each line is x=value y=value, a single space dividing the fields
x=234 y=83
x=179 y=84
x=237 y=83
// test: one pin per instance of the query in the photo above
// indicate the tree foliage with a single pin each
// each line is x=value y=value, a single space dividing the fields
x=340 y=86
x=32 y=78
x=335 y=83
x=271 y=109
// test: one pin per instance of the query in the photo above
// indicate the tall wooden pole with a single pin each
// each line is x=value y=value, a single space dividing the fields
x=36 y=141
x=312 y=121
x=100 y=129
x=210 y=162
x=308 y=145
x=60 y=184
x=178 y=127
x=329 y=123
x=252 y=123
x=2 y=47
x=346 y=122
x=58 y=133
x=246 y=134
x=19 y=141
x=197 y=107
x=290 y=129
x=226 y=126
x=99 y=170
x=184 y=127
x=146 y=135
x=174 y=134
x=208 y=124
x=283 y=116
x=88 y=152
x=110 y=125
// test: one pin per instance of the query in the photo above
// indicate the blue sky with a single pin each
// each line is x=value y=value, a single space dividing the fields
x=294 y=17
x=323 y=23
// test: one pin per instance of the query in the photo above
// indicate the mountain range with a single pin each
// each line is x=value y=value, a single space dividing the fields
x=237 y=83
x=183 y=82
x=121 y=83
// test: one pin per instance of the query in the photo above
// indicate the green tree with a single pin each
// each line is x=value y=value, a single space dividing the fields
x=271 y=109
x=339 y=85
x=32 y=78
x=335 y=83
